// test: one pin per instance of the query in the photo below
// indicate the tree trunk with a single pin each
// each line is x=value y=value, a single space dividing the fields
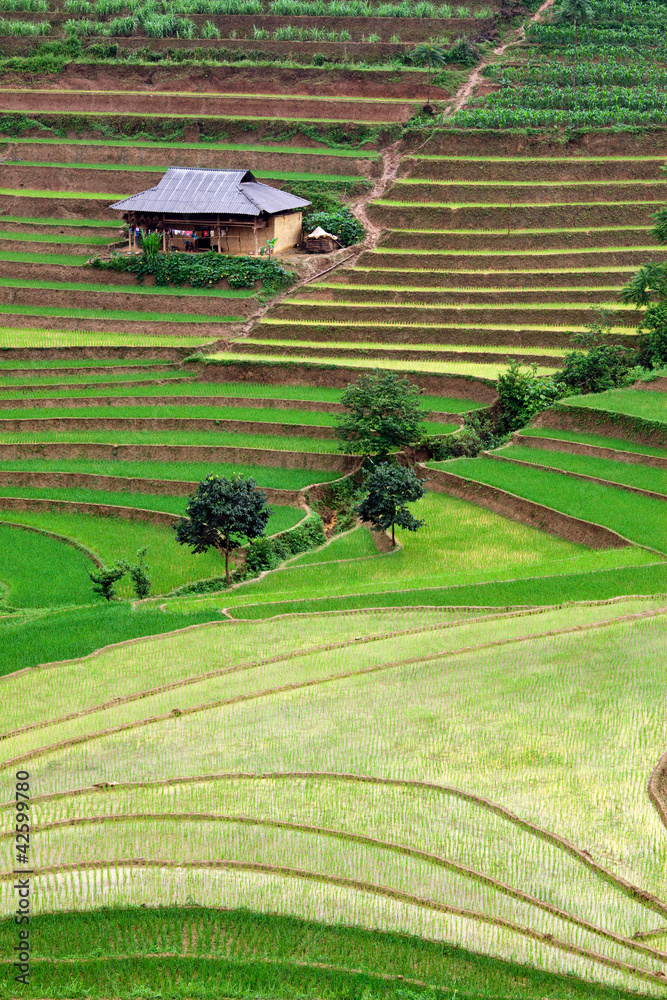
x=227 y=560
x=393 y=535
x=428 y=99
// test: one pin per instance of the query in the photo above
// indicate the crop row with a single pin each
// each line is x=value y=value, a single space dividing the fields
x=592 y=97
x=531 y=118
x=557 y=35
x=310 y=8
x=607 y=74
x=168 y=26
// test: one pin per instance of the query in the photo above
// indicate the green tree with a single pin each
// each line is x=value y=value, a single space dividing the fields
x=574 y=12
x=221 y=512
x=384 y=412
x=105 y=578
x=522 y=394
x=139 y=575
x=431 y=55
x=648 y=289
x=389 y=488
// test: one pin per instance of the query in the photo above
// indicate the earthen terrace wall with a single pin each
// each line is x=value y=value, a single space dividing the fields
x=536 y=515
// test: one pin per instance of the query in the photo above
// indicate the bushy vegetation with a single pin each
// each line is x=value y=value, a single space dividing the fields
x=341 y=224
x=264 y=553
x=383 y=413
x=201 y=270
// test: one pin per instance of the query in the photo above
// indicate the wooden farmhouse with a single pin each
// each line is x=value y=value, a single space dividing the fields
x=225 y=210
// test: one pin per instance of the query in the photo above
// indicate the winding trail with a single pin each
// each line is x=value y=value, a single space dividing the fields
x=467 y=90
x=391 y=159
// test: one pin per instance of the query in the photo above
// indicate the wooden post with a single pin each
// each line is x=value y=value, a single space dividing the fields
x=130 y=223
x=164 y=235
x=219 y=234
x=254 y=229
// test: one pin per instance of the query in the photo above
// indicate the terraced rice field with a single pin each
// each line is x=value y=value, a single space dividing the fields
x=365 y=772
x=512 y=261
x=294 y=825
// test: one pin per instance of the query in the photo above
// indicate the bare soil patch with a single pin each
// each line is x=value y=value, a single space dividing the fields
x=574 y=240
x=274 y=107
x=51 y=424
x=569 y=216
x=438 y=333
x=190 y=156
x=491 y=142
x=524 y=169
x=290 y=373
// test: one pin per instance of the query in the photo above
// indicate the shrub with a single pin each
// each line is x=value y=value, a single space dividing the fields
x=523 y=394
x=479 y=432
x=343 y=225
x=463 y=53
x=105 y=578
x=652 y=347
x=603 y=367
x=267 y=553
x=199 y=270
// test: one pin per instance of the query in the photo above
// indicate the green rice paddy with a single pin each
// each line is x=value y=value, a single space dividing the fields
x=643 y=520
x=11 y=234
x=242 y=390
x=599 y=440
x=461 y=544
x=69 y=259
x=222 y=438
x=23 y=586
x=60 y=634
x=281 y=517
x=483 y=371
x=268 y=476
x=648 y=405
x=35 y=338
x=262 y=414
x=172 y=565
x=643 y=477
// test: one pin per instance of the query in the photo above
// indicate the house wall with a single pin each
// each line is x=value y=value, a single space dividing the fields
x=241 y=240
x=287 y=229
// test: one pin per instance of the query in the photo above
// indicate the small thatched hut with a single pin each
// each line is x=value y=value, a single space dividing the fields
x=320 y=241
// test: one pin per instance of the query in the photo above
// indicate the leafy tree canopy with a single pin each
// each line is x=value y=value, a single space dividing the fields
x=223 y=512
x=580 y=11
x=105 y=578
x=384 y=413
x=390 y=487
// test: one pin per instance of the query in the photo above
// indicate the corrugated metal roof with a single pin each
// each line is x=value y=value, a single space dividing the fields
x=196 y=191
